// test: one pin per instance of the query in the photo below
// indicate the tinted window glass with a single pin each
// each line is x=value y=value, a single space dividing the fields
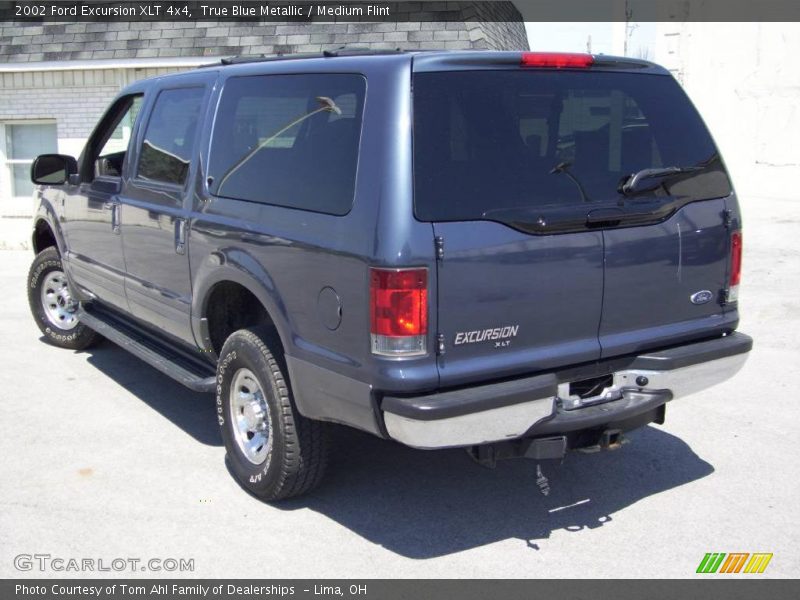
x=289 y=140
x=504 y=140
x=122 y=132
x=117 y=133
x=171 y=131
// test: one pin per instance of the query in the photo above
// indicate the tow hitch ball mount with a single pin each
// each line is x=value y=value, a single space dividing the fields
x=539 y=449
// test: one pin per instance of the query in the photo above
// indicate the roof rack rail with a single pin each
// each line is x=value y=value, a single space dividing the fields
x=342 y=51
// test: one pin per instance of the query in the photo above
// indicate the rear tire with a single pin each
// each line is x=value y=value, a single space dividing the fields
x=272 y=450
x=52 y=304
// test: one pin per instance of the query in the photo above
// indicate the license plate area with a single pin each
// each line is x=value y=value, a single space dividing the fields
x=588 y=392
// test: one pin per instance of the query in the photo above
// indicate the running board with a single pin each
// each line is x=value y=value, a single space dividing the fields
x=192 y=374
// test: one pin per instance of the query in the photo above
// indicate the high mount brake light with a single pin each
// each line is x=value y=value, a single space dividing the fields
x=399 y=311
x=556 y=60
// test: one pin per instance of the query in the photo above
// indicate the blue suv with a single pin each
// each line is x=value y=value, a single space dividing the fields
x=515 y=253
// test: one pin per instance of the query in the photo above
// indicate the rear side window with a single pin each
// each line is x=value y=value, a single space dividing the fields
x=489 y=141
x=169 y=139
x=289 y=140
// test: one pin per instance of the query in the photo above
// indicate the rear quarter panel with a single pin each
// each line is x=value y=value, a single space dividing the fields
x=287 y=256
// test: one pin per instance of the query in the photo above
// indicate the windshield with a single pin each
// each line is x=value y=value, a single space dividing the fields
x=493 y=141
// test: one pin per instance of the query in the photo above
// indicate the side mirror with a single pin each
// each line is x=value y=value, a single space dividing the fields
x=53 y=169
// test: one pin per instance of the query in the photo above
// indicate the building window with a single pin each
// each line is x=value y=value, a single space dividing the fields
x=23 y=143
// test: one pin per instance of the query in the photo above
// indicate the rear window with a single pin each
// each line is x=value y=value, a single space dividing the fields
x=289 y=140
x=489 y=141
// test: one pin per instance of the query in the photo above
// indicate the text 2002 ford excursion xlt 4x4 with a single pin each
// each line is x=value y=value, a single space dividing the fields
x=515 y=253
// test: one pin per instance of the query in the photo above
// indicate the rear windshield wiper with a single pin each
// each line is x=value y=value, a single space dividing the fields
x=632 y=183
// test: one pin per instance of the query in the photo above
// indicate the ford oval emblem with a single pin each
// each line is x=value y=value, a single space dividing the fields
x=701 y=297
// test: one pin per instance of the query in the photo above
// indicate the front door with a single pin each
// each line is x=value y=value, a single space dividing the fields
x=91 y=209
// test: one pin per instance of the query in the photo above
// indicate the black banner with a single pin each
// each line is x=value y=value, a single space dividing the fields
x=405 y=589
x=404 y=11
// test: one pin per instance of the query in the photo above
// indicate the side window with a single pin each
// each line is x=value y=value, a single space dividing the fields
x=166 y=151
x=121 y=134
x=289 y=140
x=108 y=145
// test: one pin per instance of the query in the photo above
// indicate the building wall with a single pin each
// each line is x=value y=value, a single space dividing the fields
x=463 y=26
x=73 y=99
x=496 y=26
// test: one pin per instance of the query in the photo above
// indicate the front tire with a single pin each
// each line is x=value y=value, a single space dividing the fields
x=272 y=450
x=52 y=304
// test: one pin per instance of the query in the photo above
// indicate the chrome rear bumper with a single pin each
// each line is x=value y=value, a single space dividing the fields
x=537 y=406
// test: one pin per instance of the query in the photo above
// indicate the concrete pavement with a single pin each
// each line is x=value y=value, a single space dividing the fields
x=103 y=457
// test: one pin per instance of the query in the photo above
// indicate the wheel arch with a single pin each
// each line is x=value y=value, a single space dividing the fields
x=228 y=298
x=43 y=236
x=46 y=232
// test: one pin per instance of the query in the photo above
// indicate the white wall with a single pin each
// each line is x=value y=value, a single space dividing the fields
x=615 y=38
x=745 y=81
x=597 y=38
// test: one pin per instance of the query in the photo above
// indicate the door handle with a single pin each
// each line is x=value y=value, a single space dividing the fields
x=180 y=236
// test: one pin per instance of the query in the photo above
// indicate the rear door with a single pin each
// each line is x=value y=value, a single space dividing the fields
x=509 y=301
x=665 y=280
x=156 y=203
x=544 y=262
x=665 y=283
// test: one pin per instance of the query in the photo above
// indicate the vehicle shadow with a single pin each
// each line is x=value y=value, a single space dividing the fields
x=423 y=504
x=192 y=412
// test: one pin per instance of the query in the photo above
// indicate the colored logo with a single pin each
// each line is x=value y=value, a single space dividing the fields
x=735 y=562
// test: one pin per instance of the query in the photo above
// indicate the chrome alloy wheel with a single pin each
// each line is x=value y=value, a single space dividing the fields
x=252 y=425
x=57 y=302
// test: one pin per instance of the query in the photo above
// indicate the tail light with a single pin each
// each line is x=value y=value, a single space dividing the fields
x=399 y=311
x=556 y=60
x=736 y=266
